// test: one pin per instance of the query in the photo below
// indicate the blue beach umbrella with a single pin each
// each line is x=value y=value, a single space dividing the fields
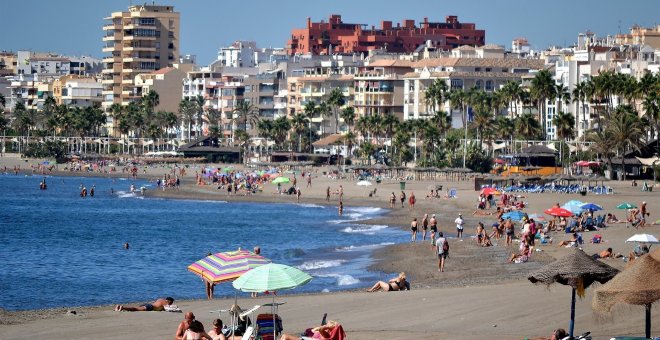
x=591 y=206
x=573 y=206
x=515 y=215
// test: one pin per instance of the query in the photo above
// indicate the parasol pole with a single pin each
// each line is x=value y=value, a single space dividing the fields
x=275 y=325
x=572 y=322
x=648 y=321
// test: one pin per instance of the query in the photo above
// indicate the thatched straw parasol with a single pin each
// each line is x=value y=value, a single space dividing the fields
x=577 y=270
x=639 y=284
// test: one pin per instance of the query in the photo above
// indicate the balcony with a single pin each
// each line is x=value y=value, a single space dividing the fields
x=130 y=59
x=111 y=59
x=109 y=48
x=129 y=48
x=138 y=38
x=112 y=26
x=112 y=37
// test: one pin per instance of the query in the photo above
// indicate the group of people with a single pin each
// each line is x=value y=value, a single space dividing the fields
x=411 y=199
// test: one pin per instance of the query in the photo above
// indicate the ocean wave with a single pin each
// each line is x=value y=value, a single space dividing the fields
x=364 y=228
x=126 y=194
x=319 y=264
x=295 y=252
x=342 y=279
x=310 y=205
x=364 y=247
x=365 y=210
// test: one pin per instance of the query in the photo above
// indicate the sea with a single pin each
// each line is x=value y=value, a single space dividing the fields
x=60 y=250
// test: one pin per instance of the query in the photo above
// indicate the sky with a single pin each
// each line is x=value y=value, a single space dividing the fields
x=74 y=27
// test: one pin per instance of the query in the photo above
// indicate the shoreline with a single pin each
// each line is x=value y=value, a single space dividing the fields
x=478 y=281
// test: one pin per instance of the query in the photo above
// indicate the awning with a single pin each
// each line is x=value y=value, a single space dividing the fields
x=649 y=161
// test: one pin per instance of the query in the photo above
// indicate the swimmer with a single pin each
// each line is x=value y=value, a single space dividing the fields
x=126 y=245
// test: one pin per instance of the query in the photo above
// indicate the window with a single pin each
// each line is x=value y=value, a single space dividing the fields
x=478 y=84
x=170 y=46
x=488 y=69
x=171 y=34
x=489 y=85
x=477 y=69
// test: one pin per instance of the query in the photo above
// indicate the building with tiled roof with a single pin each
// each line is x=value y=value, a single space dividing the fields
x=486 y=74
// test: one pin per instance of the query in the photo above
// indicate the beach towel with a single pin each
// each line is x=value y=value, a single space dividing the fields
x=265 y=325
x=173 y=309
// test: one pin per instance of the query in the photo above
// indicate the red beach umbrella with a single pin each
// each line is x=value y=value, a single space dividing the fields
x=490 y=191
x=561 y=212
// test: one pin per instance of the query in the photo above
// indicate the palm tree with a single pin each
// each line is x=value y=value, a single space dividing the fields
x=651 y=105
x=512 y=94
x=389 y=123
x=246 y=113
x=299 y=122
x=482 y=122
x=562 y=96
x=116 y=112
x=187 y=113
x=281 y=127
x=435 y=95
x=604 y=88
x=542 y=89
x=603 y=145
x=150 y=101
x=350 y=141
x=324 y=110
x=348 y=115
x=265 y=128
x=565 y=128
x=626 y=131
x=579 y=95
x=362 y=126
x=527 y=126
x=213 y=116
x=198 y=105
x=336 y=101
x=504 y=129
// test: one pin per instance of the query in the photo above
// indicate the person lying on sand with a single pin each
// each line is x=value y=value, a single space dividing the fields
x=557 y=334
x=157 y=306
x=331 y=330
x=522 y=257
x=397 y=283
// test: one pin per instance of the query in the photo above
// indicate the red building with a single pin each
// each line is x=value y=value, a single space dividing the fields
x=338 y=37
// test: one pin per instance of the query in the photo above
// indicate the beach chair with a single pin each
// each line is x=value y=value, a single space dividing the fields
x=452 y=193
x=265 y=326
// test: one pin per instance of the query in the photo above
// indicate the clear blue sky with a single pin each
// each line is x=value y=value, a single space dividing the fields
x=74 y=26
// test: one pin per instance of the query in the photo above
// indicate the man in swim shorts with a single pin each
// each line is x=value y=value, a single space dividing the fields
x=158 y=305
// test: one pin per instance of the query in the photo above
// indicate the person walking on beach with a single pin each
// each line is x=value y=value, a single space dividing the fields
x=459 y=225
x=327 y=194
x=413 y=228
x=442 y=249
x=425 y=226
x=309 y=180
x=508 y=230
x=411 y=201
x=341 y=208
x=298 y=193
x=434 y=227
x=341 y=193
x=392 y=200
x=403 y=198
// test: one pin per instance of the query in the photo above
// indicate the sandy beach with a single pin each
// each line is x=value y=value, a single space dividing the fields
x=480 y=296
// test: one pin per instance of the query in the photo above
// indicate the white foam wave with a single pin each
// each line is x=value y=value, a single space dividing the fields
x=125 y=194
x=364 y=228
x=310 y=265
x=309 y=205
x=364 y=247
x=343 y=280
x=365 y=210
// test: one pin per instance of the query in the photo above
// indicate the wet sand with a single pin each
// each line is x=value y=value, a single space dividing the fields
x=478 y=290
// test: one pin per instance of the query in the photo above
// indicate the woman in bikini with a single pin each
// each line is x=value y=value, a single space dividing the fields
x=396 y=283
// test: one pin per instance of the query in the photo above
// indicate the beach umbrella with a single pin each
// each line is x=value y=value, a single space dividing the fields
x=490 y=191
x=279 y=180
x=573 y=206
x=226 y=266
x=558 y=212
x=591 y=206
x=626 y=206
x=364 y=183
x=272 y=277
x=643 y=238
x=537 y=217
x=636 y=285
x=577 y=270
x=515 y=215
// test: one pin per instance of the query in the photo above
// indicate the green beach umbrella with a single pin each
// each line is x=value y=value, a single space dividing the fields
x=271 y=277
x=626 y=205
x=279 y=180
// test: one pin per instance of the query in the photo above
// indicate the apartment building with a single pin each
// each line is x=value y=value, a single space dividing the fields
x=31 y=90
x=315 y=83
x=465 y=73
x=77 y=91
x=379 y=88
x=42 y=64
x=260 y=91
x=641 y=36
x=166 y=82
x=143 y=39
x=337 y=37
x=8 y=63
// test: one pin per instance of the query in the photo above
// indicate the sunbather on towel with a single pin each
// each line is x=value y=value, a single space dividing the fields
x=158 y=305
x=330 y=331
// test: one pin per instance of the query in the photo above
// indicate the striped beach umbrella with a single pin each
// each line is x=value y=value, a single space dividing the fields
x=227 y=266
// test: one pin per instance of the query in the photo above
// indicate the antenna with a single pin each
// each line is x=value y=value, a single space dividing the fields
x=619 y=26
